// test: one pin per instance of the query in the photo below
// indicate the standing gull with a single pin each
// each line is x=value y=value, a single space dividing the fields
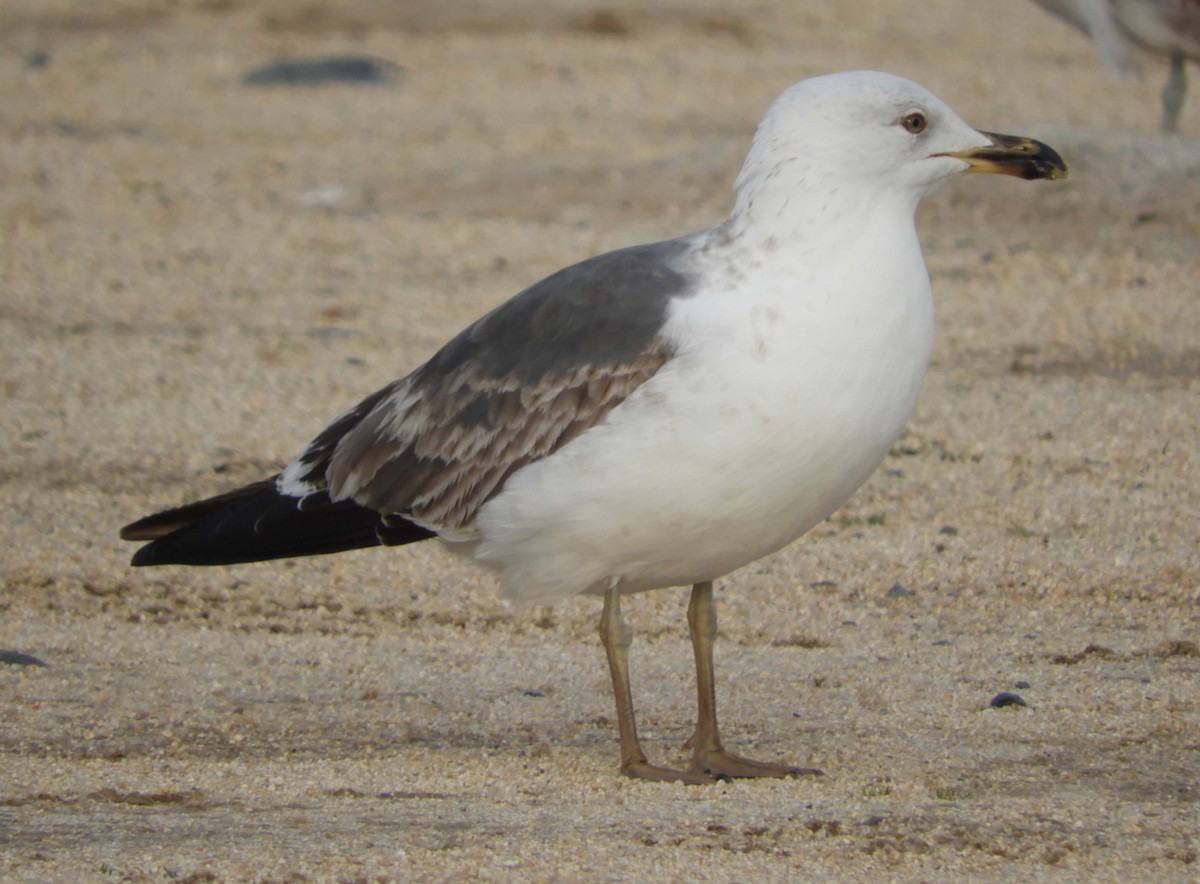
x=1119 y=28
x=659 y=415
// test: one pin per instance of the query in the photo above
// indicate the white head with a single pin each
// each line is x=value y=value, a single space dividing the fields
x=864 y=135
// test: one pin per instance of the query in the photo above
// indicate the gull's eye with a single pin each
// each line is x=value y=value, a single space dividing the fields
x=914 y=122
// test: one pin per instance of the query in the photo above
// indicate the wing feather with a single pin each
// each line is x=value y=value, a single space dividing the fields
x=441 y=463
x=511 y=389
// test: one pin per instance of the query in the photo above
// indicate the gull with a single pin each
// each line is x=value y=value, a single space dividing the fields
x=660 y=415
x=1121 y=27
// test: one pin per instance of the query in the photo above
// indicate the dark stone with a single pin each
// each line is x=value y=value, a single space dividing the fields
x=16 y=658
x=354 y=69
x=1004 y=698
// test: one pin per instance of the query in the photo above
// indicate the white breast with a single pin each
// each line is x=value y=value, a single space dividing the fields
x=787 y=391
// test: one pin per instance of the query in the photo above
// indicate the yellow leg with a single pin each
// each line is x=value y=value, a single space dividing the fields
x=615 y=637
x=1173 y=93
x=708 y=755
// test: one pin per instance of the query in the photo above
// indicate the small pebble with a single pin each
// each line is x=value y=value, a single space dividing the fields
x=1004 y=698
x=1023 y=685
x=899 y=592
x=331 y=332
x=16 y=658
x=355 y=69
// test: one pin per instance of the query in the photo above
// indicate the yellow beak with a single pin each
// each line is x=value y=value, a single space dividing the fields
x=1013 y=155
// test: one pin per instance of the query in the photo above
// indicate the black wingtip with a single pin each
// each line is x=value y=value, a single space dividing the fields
x=169 y=521
x=258 y=523
x=147 y=555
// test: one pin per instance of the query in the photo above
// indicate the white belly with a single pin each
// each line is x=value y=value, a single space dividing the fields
x=738 y=446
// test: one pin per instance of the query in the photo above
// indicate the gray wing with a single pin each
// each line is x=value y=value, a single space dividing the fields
x=1183 y=17
x=510 y=389
x=1097 y=20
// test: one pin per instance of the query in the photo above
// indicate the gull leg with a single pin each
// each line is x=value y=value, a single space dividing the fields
x=708 y=755
x=1173 y=92
x=616 y=638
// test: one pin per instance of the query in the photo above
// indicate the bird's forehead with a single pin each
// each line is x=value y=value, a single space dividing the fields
x=856 y=94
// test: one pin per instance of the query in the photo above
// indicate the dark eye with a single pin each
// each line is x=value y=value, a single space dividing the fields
x=914 y=122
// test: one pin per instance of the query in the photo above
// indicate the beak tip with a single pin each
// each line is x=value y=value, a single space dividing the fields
x=1018 y=156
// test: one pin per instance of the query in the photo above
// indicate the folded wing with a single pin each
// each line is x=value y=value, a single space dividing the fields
x=421 y=456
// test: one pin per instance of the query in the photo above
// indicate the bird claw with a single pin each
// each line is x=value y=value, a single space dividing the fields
x=715 y=767
x=729 y=766
x=643 y=770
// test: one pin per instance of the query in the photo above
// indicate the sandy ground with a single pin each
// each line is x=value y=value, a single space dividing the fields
x=197 y=274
